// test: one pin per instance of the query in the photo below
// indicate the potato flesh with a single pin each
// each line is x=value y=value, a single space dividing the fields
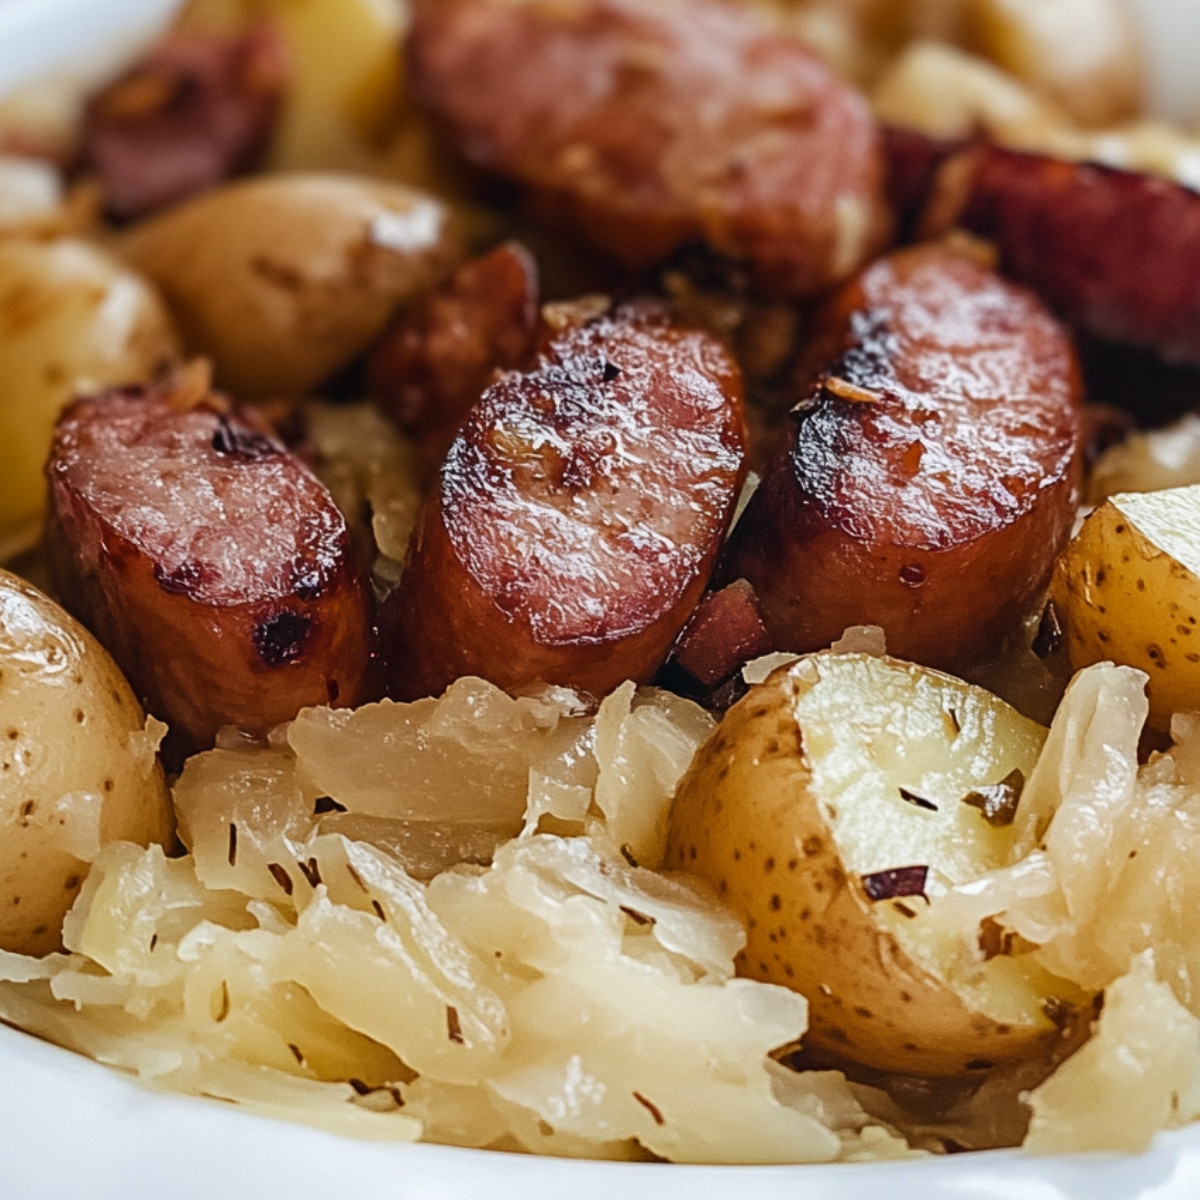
x=1129 y=591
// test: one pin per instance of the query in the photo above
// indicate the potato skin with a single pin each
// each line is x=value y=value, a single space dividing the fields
x=1128 y=593
x=282 y=280
x=68 y=719
x=748 y=818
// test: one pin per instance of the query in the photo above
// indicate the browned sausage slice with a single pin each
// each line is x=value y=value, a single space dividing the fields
x=578 y=513
x=208 y=559
x=652 y=126
x=935 y=467
x=1116 y=253
x=435 y=361
x=197 y=110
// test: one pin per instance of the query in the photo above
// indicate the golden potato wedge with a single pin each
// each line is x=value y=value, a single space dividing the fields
x=283 y=279
x=1128 y=590
x=72 y=318
x=76 y=769
x=835 y=802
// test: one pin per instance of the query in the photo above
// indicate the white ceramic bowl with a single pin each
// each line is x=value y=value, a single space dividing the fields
x=70 y=1128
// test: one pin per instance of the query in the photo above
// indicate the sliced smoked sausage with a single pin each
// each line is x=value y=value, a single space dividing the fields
x=650 y=127
x=197 y=110
x=934 y=472
x=578 y=514
x=208 y=559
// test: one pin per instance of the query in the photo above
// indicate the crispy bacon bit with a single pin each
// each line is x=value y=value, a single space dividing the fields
x=281 y=877
x=223 y=1011
x=627 y=854
x=153 y=942
x=297 y=1054
x=454 y=1026
x=327 y=804
x=233 y=845
x=379 y=910
x=917 y=801
x=896 y=882
x=651 y=1108
x=998 y=801
x=1049 y=637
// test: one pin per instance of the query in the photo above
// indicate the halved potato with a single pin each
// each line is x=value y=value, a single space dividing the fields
x=834 y=803
x=1128 y=589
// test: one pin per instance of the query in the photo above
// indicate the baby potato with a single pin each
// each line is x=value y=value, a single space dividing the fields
x=72 y=318
x=77 y=769
x=1128 y=590
x=284 y=279
x=833 y=806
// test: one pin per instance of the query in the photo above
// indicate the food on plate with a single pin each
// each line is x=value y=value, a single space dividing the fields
x=699 y=123
x=833 y=803
x=1128 y=591
x=578 y=513
x=934 y=469
x=59 y=688
x=574 y=371
x=71 y=317
x=284 y=279
x=190 y=115
x=207 y=557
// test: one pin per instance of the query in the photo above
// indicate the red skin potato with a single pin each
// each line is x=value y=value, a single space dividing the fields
x=650 y=127
x=934 y=503
x=208 y=559
x=578 y=514
x=197 y=110
x=435 y=361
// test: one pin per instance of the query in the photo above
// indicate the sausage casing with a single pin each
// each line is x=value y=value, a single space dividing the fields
x=208 y=559
x=935 y=467
x=578 y=514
